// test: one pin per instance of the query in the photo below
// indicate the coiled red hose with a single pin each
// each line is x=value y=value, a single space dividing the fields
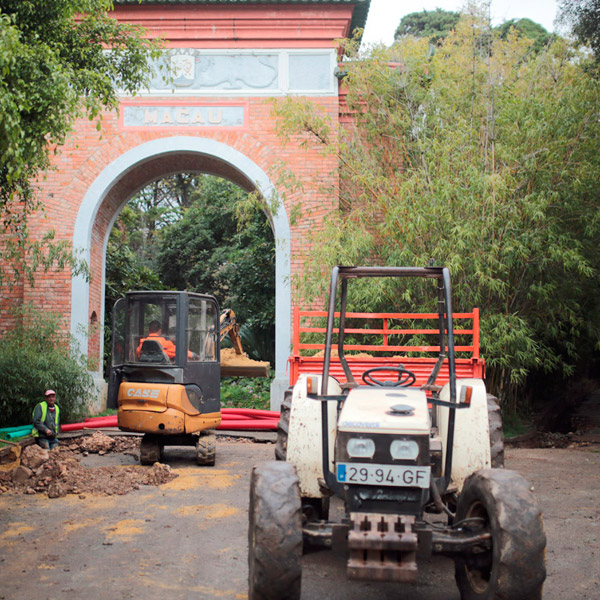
x=232 y=419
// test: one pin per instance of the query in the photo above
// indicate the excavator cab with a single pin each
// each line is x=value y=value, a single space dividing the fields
x=165 y=375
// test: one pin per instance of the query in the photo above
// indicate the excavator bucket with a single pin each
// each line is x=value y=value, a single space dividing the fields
x=239 y=365
x=245 y=371
x=234 y=361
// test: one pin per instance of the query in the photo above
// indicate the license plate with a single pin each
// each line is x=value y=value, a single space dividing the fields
x=370 y=474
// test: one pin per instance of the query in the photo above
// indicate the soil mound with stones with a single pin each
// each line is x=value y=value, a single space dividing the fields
x=59 y=472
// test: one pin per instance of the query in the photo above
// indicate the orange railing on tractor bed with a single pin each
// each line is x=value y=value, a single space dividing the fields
x=395 y=338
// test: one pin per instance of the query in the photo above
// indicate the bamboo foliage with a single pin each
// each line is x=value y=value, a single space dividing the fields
x=484 y=157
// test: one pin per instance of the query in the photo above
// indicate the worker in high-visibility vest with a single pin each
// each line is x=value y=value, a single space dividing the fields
x=46 y=421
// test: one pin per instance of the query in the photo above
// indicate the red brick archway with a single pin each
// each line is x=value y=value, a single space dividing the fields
x=229 y=60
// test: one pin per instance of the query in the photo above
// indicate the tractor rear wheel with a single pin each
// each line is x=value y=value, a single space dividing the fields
x=150 y=450
x=283 y=425
x=274 y=533
x=496 y=433
x=206 y=449
x=500 y=502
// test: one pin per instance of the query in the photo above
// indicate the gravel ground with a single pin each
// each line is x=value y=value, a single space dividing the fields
x=187 y=538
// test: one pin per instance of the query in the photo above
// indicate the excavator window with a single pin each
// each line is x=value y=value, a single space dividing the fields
x=168 y=328
x=202 y=329
x=118 y=336
x=152 y=319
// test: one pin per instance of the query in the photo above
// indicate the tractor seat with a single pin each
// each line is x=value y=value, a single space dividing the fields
x=152 y=351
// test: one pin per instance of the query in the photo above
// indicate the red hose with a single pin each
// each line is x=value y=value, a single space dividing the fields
x=256 y=424
x=72 y=427
x=252 y=412
x=99 y=419
x=101 y=422
x=232 y=418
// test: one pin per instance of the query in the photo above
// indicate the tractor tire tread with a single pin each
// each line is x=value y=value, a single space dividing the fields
x=283 y=425
x=274 y=533
x=518 y=565
x=496 y=432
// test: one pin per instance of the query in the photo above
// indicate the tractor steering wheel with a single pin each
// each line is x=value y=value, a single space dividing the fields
x=405 y=377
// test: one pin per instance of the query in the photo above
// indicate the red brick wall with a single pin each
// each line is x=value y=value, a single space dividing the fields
x=85 y=156
x=88 y=152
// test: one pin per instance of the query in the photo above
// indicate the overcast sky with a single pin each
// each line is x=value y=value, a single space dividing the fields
x=384 y=15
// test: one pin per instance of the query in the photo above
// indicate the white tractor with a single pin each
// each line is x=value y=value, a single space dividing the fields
x=413 y=466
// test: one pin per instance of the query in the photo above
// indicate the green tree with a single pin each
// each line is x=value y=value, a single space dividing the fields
x=125 y=271
x=213 y=249
x=155 y=207
x=437 y=24
x=432 y=24
x=54 y=68
x=203 y=234
x=527 y=28
x=583 y=16
x=133 y=245
x=485 y=162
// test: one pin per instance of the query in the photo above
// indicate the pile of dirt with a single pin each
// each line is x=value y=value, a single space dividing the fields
x=538 y=439
x=240 y=365
x=59 y=472
x=99 y=443
x=230 y=358
x=550 y=439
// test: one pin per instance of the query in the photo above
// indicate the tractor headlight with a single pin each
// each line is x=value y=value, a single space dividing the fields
x=404 y=449
x=360 y=448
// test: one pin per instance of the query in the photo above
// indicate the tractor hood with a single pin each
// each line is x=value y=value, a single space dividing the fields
x=385 y=410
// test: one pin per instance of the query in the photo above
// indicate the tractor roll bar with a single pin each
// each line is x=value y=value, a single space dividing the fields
x=442 y=274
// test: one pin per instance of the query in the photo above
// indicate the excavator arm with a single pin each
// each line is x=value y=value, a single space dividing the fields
x=230 y=327
x=237 y=363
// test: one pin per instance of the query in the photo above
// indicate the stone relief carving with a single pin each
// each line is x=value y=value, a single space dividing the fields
x=191 y=68
x=182 y=69
x=236 y=72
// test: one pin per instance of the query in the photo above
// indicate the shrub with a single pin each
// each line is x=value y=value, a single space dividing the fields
x=246 y=392
x=35 y=357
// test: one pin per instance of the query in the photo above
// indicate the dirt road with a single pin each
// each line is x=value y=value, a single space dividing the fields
x=187 y=539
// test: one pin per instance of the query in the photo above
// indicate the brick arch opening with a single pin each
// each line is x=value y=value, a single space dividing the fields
x=231 y=61
x=130 y=172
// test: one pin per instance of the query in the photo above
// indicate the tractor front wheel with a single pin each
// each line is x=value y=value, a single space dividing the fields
x=274 y=533
x=500 y=502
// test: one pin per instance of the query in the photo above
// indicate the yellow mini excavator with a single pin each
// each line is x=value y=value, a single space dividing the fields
x=166 y=369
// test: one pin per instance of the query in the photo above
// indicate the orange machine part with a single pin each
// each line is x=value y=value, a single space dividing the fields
x=161 y=408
